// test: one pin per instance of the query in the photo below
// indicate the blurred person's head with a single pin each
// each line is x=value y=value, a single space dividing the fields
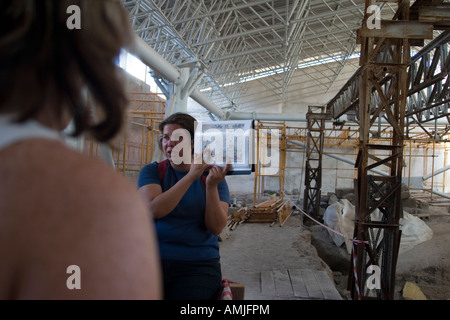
x=47 y=69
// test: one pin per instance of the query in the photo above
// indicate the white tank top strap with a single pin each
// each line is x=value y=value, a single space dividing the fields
x=12 y=132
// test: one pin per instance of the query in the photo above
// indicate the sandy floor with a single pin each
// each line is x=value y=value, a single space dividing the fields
x=252 y=248
x=302 y=244
x=427 y=265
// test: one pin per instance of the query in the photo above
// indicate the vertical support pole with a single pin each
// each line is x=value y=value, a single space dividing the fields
x=266 y=134
x=378 y=207
x=313 y=167
x=282 y=169
x=257 y=165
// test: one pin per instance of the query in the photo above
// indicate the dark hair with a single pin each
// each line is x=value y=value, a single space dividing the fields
x=184 y=120
x=43 y=63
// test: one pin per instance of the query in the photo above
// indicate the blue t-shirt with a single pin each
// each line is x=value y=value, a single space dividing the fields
x=182 y=234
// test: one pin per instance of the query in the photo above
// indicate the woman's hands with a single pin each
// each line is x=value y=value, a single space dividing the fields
x=216 y=213
x=198 y=166
x=216 y=174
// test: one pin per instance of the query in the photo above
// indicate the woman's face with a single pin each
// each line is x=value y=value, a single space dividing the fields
x=175 y=139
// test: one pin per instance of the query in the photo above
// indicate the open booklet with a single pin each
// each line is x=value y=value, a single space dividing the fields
x=228 y=142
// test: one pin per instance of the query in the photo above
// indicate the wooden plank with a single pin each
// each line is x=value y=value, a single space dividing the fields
x=438 y=15
x=284 y=213
x=258 y=220
x=311 y=284
x=237 y=290
x=265 y=204
x=326 y=285
x=267 y=283
x=283 y=284
x=399 y=29
x=298 y=283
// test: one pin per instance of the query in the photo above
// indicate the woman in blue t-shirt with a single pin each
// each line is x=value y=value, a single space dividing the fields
x=189 y=212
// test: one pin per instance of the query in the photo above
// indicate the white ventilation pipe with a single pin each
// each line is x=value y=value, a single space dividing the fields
x=428 y=176
x=204 y=101
x=154 y=60
x=266 y=116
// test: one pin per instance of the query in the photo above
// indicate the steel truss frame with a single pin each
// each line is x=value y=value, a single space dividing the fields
x=267 y=41
x=428 y=92
x=428 y=97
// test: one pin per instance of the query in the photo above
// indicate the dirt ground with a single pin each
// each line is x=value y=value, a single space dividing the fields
x=252 y=248
x=302 y=243
x=426 y=265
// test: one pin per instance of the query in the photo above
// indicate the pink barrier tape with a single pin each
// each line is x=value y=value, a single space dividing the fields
x=355 y=272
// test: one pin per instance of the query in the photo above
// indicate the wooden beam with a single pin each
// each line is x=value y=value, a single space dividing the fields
x=439 y=15
x=418 y=4
x=399 y=29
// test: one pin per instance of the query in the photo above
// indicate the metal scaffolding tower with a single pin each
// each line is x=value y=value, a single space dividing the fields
x=383 y=89
x=314 y=148
x=407 y=94
x=270 y=156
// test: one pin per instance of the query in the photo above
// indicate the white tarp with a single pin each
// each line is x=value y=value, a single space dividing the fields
x=340 y=217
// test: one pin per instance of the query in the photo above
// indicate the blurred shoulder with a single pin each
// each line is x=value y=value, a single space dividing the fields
x=74 y=210
x=51 y=169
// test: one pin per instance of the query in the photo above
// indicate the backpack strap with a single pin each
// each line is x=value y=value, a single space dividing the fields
x=203 y=179
x=162 y=168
